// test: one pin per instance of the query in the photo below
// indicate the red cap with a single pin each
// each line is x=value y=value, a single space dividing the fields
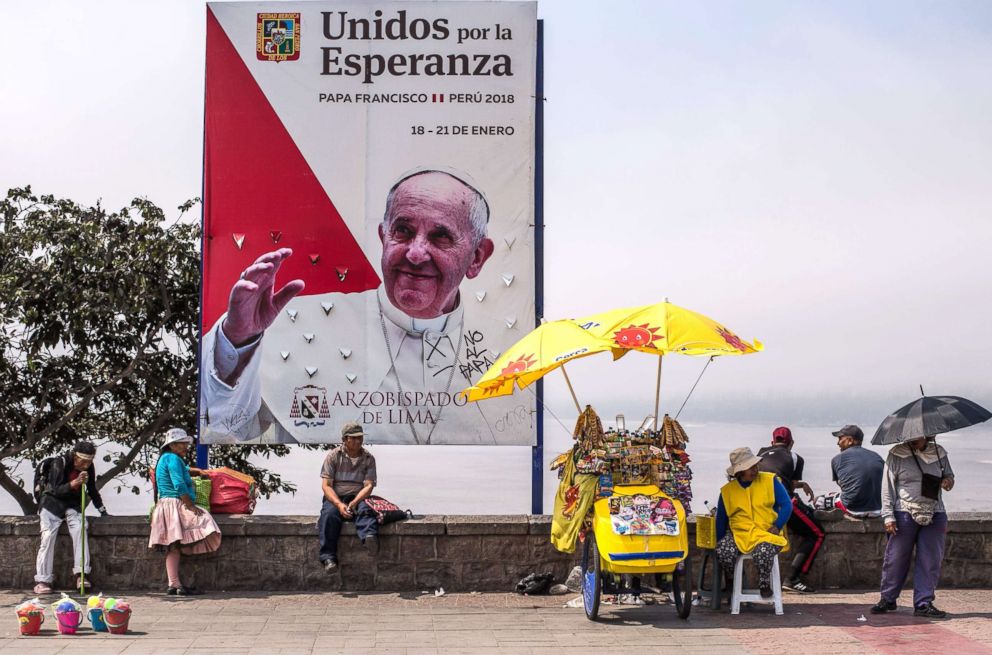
x=782 y=435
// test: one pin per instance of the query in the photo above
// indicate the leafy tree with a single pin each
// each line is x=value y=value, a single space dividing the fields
x=98 y=331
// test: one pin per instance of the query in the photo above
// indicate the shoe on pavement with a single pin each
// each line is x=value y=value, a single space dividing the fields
x=42 y=588
x=372 y=545
x=929 y=611
x=184 y=591
x=765 y=590
x=883 y=606
x=798 y=586
x=330 y=566
x=85 y=584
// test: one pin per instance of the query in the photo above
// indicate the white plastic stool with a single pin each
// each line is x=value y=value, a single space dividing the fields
x=740 y=595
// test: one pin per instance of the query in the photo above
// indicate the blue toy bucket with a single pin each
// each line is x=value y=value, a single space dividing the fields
x=96 y=619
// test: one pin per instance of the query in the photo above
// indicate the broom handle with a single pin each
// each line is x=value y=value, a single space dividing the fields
x=82 y=551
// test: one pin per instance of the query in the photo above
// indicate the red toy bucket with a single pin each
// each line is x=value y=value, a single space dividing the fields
x=68 y=621
x=30 y=621
x=117 y=619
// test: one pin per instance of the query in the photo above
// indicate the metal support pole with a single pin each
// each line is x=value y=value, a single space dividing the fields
x=537 y=451
x=657 y=393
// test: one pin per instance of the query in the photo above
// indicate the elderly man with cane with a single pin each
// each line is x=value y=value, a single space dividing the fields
x=69 y=481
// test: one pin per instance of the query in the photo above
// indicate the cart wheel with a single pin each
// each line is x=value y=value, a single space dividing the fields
x=592 y=578
x=682 y=587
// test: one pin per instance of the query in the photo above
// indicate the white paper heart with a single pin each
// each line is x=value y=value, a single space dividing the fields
x=480 y=295
x=511 y=321
x=509 y=242
x=311 y=371
x=345 y=352
x=239 y=240
x=351 y=377
x=284 y=354
x=327 y=307
x=507 y=279
x=292 y=314
x=308 y=336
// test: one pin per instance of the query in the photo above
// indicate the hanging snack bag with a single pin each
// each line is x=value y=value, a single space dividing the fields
x=68 y=615
x=30 y=616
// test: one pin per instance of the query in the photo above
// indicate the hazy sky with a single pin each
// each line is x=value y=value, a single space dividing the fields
x=816 y=175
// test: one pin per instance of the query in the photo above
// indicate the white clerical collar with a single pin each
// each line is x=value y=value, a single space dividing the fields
x=417 y=326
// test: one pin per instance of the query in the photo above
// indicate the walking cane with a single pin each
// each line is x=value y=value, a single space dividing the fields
x=82 y=556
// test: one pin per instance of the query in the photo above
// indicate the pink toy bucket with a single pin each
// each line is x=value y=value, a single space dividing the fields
x=68 y=621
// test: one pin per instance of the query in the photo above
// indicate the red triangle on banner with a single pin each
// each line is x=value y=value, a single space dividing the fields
x=256 y=183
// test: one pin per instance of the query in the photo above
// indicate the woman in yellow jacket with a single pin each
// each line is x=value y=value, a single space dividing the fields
x=755 y=506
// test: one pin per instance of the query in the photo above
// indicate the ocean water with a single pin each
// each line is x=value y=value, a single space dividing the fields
x=491 y=480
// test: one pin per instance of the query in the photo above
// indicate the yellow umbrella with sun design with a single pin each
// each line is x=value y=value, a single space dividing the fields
x=544 y=349
x=658 y=329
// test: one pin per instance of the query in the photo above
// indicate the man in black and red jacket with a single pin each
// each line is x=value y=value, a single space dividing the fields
x=788 y=466
x=62 y=501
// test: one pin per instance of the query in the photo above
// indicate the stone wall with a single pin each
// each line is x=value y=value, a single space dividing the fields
x=459 y=553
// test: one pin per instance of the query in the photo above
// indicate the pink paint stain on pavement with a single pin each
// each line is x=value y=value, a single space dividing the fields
x=916 y=640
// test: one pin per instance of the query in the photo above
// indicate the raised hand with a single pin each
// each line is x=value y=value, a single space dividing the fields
x=253 y=304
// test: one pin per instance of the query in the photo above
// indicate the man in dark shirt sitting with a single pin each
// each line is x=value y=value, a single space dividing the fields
x=858 y=472
x=780 y=459
x=62 y=501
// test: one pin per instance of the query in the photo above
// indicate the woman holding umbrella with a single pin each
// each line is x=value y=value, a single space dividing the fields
x=917 y=472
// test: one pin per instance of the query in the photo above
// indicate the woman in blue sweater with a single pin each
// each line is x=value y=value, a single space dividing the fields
x=179 y=526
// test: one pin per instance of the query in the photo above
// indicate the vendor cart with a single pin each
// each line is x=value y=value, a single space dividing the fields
x=638 y=530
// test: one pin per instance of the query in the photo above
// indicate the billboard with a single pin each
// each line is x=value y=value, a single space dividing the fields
x=368 y=244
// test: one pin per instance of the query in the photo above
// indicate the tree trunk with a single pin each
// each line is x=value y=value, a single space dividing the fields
x=23 y=498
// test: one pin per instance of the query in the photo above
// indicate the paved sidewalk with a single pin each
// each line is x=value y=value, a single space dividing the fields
x=412 y=624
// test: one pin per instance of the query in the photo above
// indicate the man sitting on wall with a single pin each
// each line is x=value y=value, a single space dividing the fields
x=347 y=478
x=783 y=461
x=62 y=501
x=858 y=472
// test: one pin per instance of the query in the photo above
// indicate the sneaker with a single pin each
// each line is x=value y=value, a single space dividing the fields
x=372 y=545
x=184 y=591
x=42 y=588
x=883 y=606
x=629 y=599
x=330 y=566
x=929 y=611
x=798 y=586
x=765 y=590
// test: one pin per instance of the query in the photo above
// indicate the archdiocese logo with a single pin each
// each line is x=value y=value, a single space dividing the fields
x=277 y=37
x=309 y=406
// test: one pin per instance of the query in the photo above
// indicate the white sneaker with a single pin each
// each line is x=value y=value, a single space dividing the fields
x=330 y=566
x=629 y=599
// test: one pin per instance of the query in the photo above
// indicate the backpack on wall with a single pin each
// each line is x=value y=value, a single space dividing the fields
x=385 y=511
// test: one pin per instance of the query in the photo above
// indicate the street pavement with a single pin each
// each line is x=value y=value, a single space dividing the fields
x=421 y=624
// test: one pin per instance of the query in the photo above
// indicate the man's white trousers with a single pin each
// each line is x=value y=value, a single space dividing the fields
x=49 y=533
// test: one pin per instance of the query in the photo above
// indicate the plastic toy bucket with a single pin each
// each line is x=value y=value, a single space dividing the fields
x=30 y=621
x=68 y=621
x=117 y=620
x=96 y=619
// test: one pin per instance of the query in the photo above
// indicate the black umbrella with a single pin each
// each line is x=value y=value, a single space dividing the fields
x=929 y=416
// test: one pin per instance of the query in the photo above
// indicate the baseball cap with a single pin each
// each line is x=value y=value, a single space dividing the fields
x=352 y=429
x=782 y=435
x=852 y=431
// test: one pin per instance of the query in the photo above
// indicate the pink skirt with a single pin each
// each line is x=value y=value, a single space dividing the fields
x=172 y=524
